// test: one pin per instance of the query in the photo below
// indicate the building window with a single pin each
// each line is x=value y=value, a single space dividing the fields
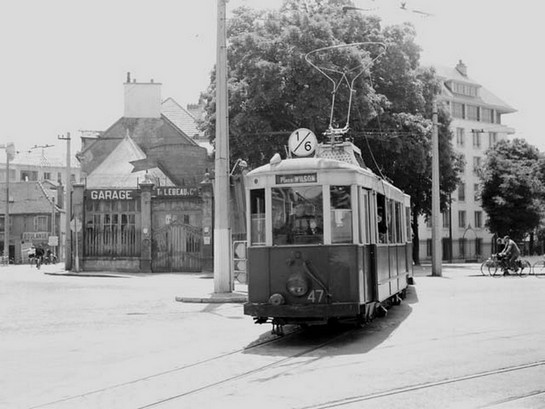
x=2 y=223
x=476 y=164
x=492 y=138
x=458 y=110
x=428 y=247
x=462 y=192
x=40 y=223
x=476 y=139
x=47 y=176
x=498 y=118
x=476 y=192
x=460 y=136
x=446 y=219
x=464 y=89
x=472 y=112
x=428 y=222
x=478 y=219
x=487 y=115
x=29 y=176
x=462 y=219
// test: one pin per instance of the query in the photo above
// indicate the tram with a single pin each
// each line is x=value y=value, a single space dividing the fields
x=328 y=239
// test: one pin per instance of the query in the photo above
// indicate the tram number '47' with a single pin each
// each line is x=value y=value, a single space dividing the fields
x=315 y=296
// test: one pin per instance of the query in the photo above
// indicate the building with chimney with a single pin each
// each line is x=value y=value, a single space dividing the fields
x=477 y=124
x=146 y=201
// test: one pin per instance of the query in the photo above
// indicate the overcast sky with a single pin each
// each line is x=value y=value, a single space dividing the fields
x=63 y=62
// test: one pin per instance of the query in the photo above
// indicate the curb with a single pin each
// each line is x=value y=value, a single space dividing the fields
x=216 y=299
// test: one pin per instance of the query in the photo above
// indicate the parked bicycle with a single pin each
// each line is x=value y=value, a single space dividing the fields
x=502 y=265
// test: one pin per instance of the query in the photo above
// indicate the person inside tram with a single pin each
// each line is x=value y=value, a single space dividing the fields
x=511 y=253
x=302 y=223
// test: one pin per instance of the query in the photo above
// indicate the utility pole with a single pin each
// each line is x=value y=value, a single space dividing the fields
x=435 y=202
x=10 y=152
x=223 y=282
x=68 y=205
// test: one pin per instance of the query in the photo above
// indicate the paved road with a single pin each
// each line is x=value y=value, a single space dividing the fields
x=459 y=341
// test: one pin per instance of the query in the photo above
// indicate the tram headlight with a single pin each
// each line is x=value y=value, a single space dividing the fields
x=297 y=285
x=276 y=299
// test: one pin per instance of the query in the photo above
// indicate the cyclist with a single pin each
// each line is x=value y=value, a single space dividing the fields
x=511 y=252
x=39 y=257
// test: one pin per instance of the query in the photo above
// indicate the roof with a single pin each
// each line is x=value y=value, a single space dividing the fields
x=50 y=156
x=485 y=97
x=180 y=117
x=187 y=121
x=27 y=198
x=116 y=171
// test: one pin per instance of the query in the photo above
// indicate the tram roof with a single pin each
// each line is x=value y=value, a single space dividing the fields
x=319 y=165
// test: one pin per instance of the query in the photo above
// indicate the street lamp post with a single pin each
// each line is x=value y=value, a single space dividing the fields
x=67 y=206
x=436 y=267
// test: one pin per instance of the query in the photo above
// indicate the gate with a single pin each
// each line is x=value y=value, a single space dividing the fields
x=177 y=247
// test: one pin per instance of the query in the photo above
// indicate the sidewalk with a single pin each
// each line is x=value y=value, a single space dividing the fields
x=197 y=287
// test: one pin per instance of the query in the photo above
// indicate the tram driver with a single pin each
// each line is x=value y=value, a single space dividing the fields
x=302 y=223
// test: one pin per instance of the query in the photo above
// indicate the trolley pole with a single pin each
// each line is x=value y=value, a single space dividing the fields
x=435 y=202
x=222 y=234
x=68 y=205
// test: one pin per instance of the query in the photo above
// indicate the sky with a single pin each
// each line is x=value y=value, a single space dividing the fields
x=64 y=62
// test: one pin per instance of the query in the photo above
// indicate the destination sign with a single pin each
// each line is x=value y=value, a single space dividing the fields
x=299 y=178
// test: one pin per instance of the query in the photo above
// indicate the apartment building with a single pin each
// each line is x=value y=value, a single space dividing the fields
x=477 y=116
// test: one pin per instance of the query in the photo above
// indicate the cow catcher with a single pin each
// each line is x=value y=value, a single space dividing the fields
x=149 y=229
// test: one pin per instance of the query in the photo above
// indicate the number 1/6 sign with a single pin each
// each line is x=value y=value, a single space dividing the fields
x=302 y=142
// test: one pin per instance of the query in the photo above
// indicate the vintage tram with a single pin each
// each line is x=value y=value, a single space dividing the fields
x=328 y=239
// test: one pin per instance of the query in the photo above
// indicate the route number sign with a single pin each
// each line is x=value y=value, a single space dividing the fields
x=302 y=142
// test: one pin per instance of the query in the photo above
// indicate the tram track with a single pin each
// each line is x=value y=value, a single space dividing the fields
x=72 y=401
x=427 y=385
x=253 y=371
x=253 y=345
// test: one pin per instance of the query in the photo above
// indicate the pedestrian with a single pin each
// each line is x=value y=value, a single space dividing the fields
x=39 y=255
x=31 y=254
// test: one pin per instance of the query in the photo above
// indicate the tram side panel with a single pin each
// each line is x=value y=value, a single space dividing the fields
x=391 y=269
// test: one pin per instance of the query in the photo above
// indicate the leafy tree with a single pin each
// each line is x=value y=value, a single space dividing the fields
x=512 y=188
x=273 y=91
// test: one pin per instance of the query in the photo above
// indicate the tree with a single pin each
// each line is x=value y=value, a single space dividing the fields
x=512 y=188
x=273 y=91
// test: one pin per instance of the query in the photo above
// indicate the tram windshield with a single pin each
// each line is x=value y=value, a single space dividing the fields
x=297 y=215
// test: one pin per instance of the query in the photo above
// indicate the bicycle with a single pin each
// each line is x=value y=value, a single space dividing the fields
x=485 y=265
x=538 y=269
x=520 y=267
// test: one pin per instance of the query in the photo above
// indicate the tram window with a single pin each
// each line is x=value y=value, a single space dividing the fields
x=408 y=223
x=341 y=214
x=257 y=215
x=399 y=223
x=364 y=217
x=390 y=219
x=297 y=215
x=381 y=218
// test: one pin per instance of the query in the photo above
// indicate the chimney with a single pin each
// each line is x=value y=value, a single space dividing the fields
x=142 y=99
x=462 y=68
